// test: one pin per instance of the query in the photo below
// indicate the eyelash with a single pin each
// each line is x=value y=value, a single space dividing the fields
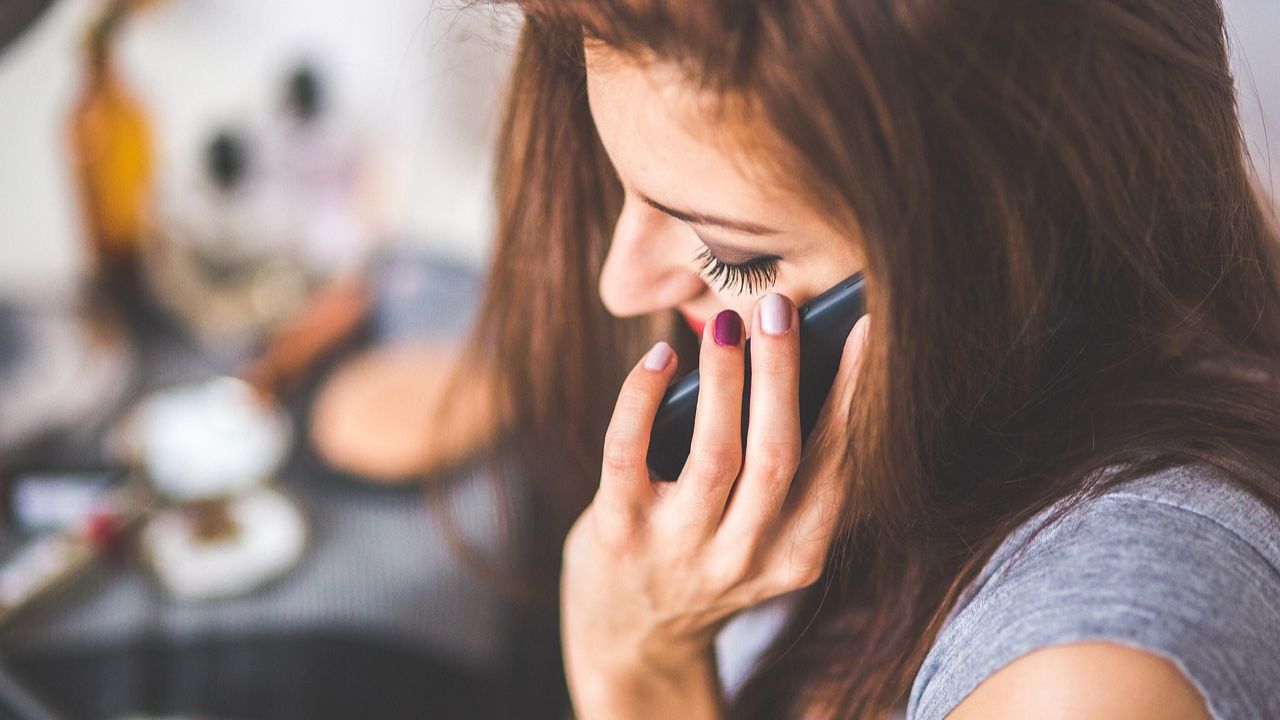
x=751 y=276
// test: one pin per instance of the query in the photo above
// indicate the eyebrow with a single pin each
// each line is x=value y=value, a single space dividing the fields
x=697 y=218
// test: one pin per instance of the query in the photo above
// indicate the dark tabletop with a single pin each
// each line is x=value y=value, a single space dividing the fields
x=381 y=619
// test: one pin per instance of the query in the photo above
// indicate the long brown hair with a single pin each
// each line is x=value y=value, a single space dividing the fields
x=1069 y=269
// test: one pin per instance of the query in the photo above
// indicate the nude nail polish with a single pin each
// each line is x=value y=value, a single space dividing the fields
x=658 y=357
x=775 y=314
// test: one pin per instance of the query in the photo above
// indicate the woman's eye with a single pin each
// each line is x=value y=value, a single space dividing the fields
x=750 y=277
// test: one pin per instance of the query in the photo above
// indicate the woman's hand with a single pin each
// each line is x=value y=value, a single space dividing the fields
x=652 y=569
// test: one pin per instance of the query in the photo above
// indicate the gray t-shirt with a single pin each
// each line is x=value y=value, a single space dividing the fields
x=1178 y=564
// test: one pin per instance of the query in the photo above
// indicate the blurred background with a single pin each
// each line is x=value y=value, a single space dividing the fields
x=237 y=237
x=421 y=80
x=241 y=243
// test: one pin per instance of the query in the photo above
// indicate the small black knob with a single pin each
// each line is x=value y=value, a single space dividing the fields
x=227 y=159
x=304 y=93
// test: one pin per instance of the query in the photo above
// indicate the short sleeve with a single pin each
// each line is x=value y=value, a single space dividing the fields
x=1180 y=566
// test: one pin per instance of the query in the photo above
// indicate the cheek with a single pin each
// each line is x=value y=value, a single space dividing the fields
x=744 y=305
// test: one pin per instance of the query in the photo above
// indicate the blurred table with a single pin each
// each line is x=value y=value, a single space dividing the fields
x=381 y=619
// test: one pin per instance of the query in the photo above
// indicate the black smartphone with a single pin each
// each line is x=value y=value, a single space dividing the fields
x=825 y=323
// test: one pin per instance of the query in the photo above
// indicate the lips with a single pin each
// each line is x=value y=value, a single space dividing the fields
x=695 y=324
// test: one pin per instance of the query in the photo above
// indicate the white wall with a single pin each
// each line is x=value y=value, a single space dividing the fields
x=1254 y=26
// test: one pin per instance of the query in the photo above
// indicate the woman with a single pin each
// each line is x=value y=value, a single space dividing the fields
x=1045 y=484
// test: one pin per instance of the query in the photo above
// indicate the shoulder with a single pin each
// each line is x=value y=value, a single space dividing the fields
x=1181 y=568
x=1089 y=679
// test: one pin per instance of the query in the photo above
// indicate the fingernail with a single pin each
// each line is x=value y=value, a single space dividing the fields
x=775 y=314
x=864 y=324
x=658 y=357
x=727 y=329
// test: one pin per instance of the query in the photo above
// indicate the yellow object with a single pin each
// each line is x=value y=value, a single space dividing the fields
x=111 y=148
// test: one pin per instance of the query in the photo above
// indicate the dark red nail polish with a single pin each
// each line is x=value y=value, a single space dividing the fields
x=727 y=329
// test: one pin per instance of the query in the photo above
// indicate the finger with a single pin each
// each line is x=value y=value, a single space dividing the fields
x=715 y=453
x=624 y=477
x=813 y=514
x=773 y=431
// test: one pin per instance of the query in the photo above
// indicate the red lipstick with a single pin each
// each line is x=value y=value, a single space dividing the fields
x=695 y=324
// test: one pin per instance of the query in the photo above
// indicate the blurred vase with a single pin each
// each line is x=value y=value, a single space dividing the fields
x=112 y=152
x=219 y=257
x=319 y=163
x=275 y=214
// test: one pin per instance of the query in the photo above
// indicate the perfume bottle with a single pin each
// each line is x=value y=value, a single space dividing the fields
x=219 y=257
x=319 y=166
x=111 y=149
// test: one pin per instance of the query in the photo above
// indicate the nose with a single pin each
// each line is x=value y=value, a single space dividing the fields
x=649 y=265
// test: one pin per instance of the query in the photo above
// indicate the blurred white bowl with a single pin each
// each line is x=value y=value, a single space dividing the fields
x=210 y=439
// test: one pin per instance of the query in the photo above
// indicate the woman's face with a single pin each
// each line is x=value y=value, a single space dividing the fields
x=700 y=231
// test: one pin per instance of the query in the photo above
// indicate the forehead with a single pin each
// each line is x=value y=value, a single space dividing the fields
x=670 y=139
